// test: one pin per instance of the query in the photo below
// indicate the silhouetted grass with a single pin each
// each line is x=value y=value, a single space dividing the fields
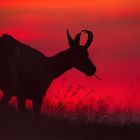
x=13 y=126
x=72 y=116
x=76 y=105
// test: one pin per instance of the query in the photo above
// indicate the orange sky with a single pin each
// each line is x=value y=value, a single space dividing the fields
x=96 y=4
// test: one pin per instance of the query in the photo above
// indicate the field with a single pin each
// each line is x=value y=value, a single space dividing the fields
x=13 y=126
x=72 y=116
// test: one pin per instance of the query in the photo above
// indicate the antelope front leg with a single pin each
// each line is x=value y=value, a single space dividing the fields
x=21 y=104
x=37 y=102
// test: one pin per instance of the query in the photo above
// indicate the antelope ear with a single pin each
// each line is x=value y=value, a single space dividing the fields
x=70 y=40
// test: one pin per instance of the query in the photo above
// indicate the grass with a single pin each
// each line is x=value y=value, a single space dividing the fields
x=76 y=105
x=13 y=126
x=72 y=116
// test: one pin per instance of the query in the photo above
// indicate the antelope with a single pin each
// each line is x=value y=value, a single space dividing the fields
x=26 y=73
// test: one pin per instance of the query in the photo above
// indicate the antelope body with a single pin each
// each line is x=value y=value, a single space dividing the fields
x=26 y=73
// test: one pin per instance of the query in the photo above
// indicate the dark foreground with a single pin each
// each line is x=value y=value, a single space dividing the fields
x=15 y=127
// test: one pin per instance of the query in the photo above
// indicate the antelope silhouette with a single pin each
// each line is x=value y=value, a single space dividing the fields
x=26 y=73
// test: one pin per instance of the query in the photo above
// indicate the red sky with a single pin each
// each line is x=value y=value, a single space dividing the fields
x=116 y=46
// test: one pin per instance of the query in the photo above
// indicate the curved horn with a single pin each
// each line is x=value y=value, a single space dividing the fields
x=90 y=38
x=77 y=39
x=70 y=40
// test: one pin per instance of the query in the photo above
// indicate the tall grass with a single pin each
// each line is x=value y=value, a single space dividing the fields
x=78 y=104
